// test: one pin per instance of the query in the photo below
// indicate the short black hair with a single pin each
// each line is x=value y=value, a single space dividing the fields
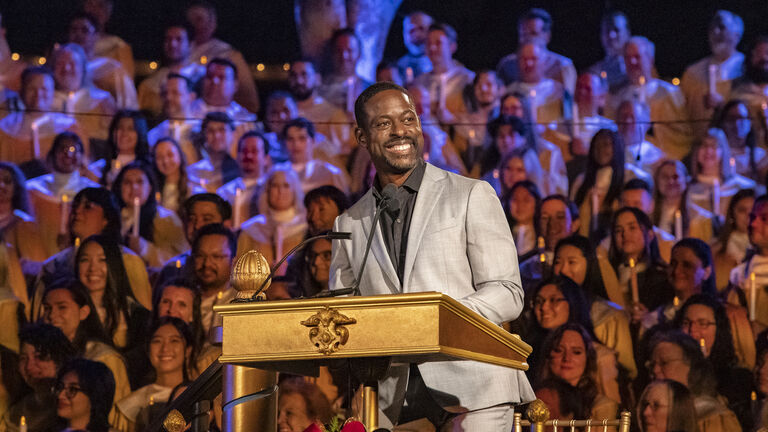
x=250 y=134
x=636 y=184
x=537 y=13
x=301 y=123
x=32 y=71
x=223 y=206
x=372 y=90
x=216 y=229
x=347 y=31
x=518 y=125
x=48 y=341
x=218 y=117
x=449 y=31
x=221 y=61
x=187 y=81
x=331 y=192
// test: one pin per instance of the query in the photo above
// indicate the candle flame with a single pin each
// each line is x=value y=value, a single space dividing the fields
x=64 y=198
x=178 y=264
x=702 y=343
x=753 y=396
x=151 y=400
x=541 y=243
x=24 y=420
x=642 y=80
x=472 y=134
x=77 y=241
x=543 y=258
x=158 y=196
x=631 y=263
x=752 y=276
x=676 y=301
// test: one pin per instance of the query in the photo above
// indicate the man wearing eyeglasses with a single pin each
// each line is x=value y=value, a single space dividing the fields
x=213 y=252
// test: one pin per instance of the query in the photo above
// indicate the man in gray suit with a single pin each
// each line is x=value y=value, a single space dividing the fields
x=445 y=233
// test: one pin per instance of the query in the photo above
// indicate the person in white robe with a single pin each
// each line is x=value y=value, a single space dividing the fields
x=438 y=146
x=752 y=88
x=481 y=104
x=343 y=85
x=216 y=167
x=545 y=95
x=586 y=117
x=633 y=118
x=109 y=45
x=614 y=34
x=177 y=97
x=243 y=192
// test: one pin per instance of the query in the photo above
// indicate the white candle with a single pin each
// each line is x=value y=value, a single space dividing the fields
x=703 y=346
x=35 y=140
x=118 y=92
x=712 y=78
x=716 y=197
x=533 y=106
x=136 y=216
x=752 y=296
x=678 y=225
x=64 y=214
x=70 y=104
x=576 y=120
x=643 y=95
x=238 y=203
x=633 y=281
x=23 y=424
x=350 y=94
x=595 y=208
x=441 y=95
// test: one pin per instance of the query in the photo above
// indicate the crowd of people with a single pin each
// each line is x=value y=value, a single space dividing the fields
x=637 y=206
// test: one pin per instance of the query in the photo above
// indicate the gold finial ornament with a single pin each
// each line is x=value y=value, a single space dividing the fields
x=537 y=411
x=248 y=273
x=174 y=422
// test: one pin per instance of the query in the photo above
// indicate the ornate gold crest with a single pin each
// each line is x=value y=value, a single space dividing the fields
x=537 y=411
x=174 y=422
x=327 y=331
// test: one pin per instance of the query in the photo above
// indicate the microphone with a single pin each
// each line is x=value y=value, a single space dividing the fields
x=388 y=201
x=333 y=235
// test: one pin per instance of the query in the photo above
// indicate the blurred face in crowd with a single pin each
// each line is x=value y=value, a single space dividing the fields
x=176 y=45
x=487 y=89
x=415 y=29
x=299 y=144
x=83 y=33
x=440 y=49
x=686 y=272
x=302 y=80
x=590 y=93
x=280 y=195
x=319 y=259
x=709 y=155
x=614 y=33
x=219 y=84
x=513 y=171
x=654 y=407
x=529 y=62
x=177 y=301
x=218 y=135
x=176 y=97
x=68 y=71
x=92 y=268
x=667 y=362
x=550 y=307
x=556 y=222
x=251 y=157
x=167 y=158
x=100 y=9
x=213 y=261
x=7 y=184
x=759 y=61
x=125 y=136
x=699 y=323
x=758 y=226
x=420 y=98
x=737 y=124
x=512 y=106
x=637 y=198
x=629 y=235
x=68 y=157
x=568 y=359
x=201 y=214
x=279 y=111
x=571 y=262
x=321 y=213
x=33 y=367
x=168 y=350
x=346 y=52
x=637 y=61
x=741 y=212
x=603 y=149
x=292 y=415
x=87 y=218
x=671 y=181
x=61 y=310
x=522 y=206
x=135 y=185
x=632 y=124
x=72 y=404
x=508 y=139
x=38 y=92
x=723 y=35
x=532 y=31
x=203 y=20
x=389 y=74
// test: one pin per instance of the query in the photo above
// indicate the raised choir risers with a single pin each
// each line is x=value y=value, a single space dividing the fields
x=414 y=327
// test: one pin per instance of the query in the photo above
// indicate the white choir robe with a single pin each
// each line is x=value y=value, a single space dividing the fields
x=695 y=86
x=150 y=88
x=246 y=86
x=316 y=173
x=456 y=79
x=203 y=173
x=183 y=132
x=170 y=199
x=108 y=75
x=701 y=190
x=114 y=47
x=115 y=165
x=271 y=237
x=546 y=96
x=16 y=138
x=555 y=66
x=92 y=108
x=249 y=191
x=334 y=89
x=332 y=122
x=667 y=104
x=645 y=156
x=45 y=196
x=740 y=276
x=551 y=160
x=243 y=119
x=742 y=161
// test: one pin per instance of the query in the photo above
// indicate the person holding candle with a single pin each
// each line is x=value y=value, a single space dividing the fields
x=639 y=194
x=747 y=157
x=127 y=141
x=216 y=167
x=152 y=231
x=714 y=182
x=254 y=160
x=545 y=95
x=520 y=205
x=281 y=223
x=733 y=241
x=171 y=171
x=666 y=405
x=673 y=210
x=170 y=345
x=614 y=33
x=85 y=393
x=213 y=254
x=481 y=102
x=516 y=165
x=415 y=61
x=586 y=119
x=18 y=227
x=633 y=118
x=177 y=93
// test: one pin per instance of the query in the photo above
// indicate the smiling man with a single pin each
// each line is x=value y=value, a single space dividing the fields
x=448 y=233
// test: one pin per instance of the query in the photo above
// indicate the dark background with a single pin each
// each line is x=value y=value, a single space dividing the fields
x=265 y=31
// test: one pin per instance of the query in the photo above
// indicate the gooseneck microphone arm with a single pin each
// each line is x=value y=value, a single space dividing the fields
x=333 y=235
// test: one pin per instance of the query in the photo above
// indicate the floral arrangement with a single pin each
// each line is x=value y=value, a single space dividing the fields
x=337 y=425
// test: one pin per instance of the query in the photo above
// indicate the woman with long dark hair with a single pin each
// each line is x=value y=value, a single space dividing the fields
x=170 y=166
x=733 y=241
x=160 y=234
x=85 y=394
x=127 y=141
x=520 y=204
x=673 y=210
x=18 y=226
x=748 y=157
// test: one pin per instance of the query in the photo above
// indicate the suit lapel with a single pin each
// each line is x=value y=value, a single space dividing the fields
x=429 y=194
x=378 y=250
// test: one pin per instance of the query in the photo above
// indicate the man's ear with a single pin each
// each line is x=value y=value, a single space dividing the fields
x=362 y=140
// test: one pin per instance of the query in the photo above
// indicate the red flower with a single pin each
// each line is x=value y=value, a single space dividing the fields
x=313 y=428
x=353 y=426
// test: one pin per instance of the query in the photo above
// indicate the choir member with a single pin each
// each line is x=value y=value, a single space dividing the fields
x=126 y=142
x=217 y=167
x=170 y=167
x=18 y=227
x=614 y=34
x=84 y=394
x=415 y=28
x=673 y=209
x=520 y=205
x=733 y=241
x=109 y=45
x=213 y=253
x=254 y=161
x=343 y=84
x=666 y=405
x=639 y=194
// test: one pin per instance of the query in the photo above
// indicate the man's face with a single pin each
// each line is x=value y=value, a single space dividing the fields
x=759 y=57
x=201 y=20
x=251 y=156
x=637 y=62
x=415 y=28
x=176 y=44
x=637 y=198
x=346 y=52
x=555 y=222
x=487 y=89
x=758 y=226
x=299 y=144
x=614 y=34
x=217 y=137
x=68 y=71
x=279 y=112
x=529 y=59
x=532 y=32
x=67 y=157
x=201 y=214
x=440 y=49
x=83 y=33
x=631 y=127
x=33 y=368
x=213 y=261
x=321 y=213
x=588 y=91
x=176 y=97
x=392 y=134
x=723 y=34
x=177 y=302
x=319 y=259
x=38 y=93
x=302 y=80
x=219 y=85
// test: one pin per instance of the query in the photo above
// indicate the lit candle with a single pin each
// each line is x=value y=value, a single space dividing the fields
x=533 y=106
x=77 y=242
x=716 y=197
x=643 y=94
x=178 y=264
x=151 y=400
x=676 y=302
x=441 y=95
x=238 y=203
x=542 y=255
x=350 y=94
x=733 y=163
x=23 y=424
x=633 y=281
x=472 y=136
x=70 y=104
x=752 y=296
x=35 y=140
x=158 y=197
x=678 y=225
x=64 y=214
x=595 y=208
x=703 y=346
x=712 y=78
x=495 y=173
x=136 y=217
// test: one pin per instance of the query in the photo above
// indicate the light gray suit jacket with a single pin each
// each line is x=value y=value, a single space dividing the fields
x=460 y=244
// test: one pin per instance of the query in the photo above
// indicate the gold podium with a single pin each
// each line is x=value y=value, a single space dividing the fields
x=298 y=336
